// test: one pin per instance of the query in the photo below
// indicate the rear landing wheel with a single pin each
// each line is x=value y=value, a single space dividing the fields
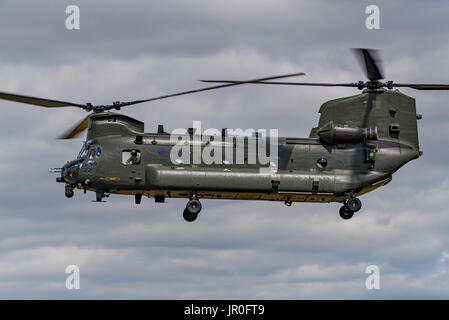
x=193 y=206
x=345 y=213
x=189 y=217
x=192 y=210
x=353 y=204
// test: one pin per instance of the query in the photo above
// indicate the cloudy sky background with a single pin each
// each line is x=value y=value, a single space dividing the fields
x=140 y=49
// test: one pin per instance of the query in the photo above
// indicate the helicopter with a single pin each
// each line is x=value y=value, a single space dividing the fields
x=359 y=143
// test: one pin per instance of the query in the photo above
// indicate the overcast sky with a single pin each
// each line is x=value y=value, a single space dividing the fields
x=236 y=249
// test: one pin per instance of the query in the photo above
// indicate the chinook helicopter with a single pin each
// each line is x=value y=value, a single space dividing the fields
x=360 y=141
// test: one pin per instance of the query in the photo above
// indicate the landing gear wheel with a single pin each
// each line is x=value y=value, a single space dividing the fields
x=288 y=202
x=69 y=191
x=189 y=217
x=193 y=206
x=345 y=213
x=353 y=204
x=99 y=195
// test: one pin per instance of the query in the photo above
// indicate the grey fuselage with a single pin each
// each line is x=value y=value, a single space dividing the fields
x=356 y=162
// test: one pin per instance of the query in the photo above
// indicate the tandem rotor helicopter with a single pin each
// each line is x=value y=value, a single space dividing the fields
x=360 y=141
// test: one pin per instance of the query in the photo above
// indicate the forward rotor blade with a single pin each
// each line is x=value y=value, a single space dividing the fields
x=423 y=86
x=76 y=129
x=287 y=83
x=123 y=104
x=371 y=63
x=39 y=101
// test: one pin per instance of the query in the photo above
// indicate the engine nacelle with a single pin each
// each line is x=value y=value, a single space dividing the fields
x=332 y=134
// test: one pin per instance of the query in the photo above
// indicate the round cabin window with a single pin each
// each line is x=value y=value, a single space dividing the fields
x=321 y=163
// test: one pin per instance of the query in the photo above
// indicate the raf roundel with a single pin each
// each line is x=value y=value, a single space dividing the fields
x=161 y=151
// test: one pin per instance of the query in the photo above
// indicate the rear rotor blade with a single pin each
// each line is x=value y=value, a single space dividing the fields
x=371 y=63
x=76 y=129
x=361 y=85
x=423 y=86
x=287 y=83
x=123 y=104
x=42 y=102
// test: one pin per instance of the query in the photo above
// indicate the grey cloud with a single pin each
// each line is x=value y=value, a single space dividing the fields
x=287 y=29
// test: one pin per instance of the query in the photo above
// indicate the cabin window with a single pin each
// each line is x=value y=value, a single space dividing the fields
x=321 y=163
x=274 y=163
x=98 y=152
x=131 y=157
x=370 y=154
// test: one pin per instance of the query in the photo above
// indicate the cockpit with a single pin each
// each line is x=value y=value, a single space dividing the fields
x=90 y=148
x=89 y=155
x=86 y=161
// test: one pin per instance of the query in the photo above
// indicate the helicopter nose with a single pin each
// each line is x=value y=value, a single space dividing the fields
x=64 y=173
x=70 y=171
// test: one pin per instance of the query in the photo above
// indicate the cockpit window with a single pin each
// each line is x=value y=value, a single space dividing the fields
x=98 y=152
x=130 y=157
x=85 y=149
x=92 y=152
x=83 y=152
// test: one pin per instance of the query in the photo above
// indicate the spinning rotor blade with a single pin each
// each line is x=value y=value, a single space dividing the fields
x=123 y=104
x=76 y=129
x=48 y=103
x=370 y=61
x=287 y=83
x=38 y=101
x=423 y=86
x=391 y=84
